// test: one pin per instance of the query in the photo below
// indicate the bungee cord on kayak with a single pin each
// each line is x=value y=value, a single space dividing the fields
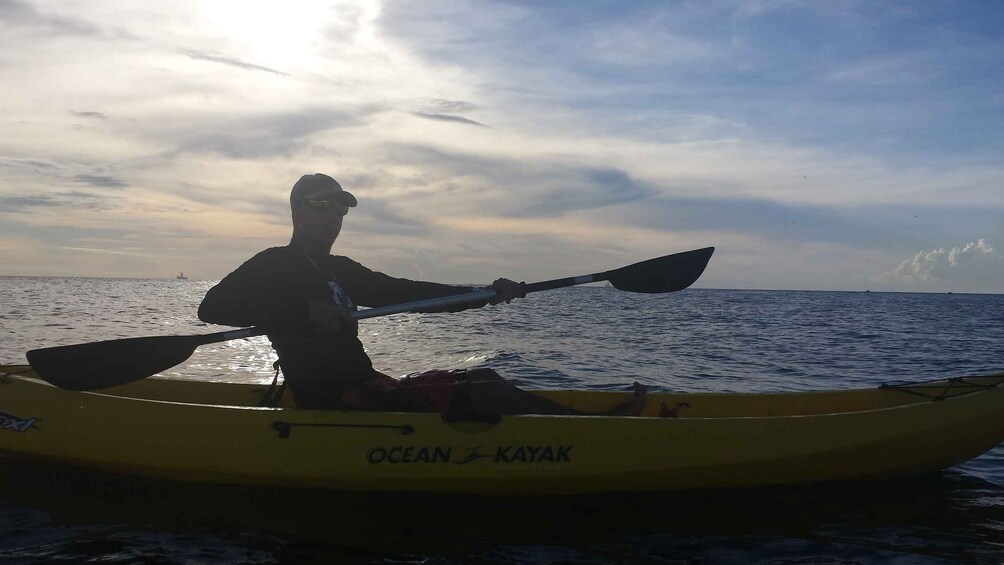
x=942 y=389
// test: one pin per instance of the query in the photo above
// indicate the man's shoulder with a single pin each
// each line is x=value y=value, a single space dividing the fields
x=273 y=251
x=343 y=259
x=343 y=264
x=272 y=255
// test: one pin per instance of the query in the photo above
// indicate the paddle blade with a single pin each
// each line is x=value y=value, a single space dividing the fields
x=102 y=364
x=665 y=274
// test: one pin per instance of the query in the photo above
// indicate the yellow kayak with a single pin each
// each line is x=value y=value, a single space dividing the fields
x=217 y=432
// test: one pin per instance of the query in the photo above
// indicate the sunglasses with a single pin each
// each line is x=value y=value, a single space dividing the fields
x=327 y=206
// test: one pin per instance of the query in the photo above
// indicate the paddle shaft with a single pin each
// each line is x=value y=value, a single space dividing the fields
x=468 y=297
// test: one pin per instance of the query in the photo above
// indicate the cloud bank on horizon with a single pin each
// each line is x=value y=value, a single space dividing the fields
x=979 y=264
x=838 y=145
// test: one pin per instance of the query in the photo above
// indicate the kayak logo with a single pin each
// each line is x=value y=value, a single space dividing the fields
x=440 y=454
x=12 y=422
x=473 y=454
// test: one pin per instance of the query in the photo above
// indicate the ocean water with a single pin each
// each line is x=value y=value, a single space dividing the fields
x=584 y=337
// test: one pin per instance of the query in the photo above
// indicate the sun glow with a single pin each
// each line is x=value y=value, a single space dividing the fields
x=282 y=35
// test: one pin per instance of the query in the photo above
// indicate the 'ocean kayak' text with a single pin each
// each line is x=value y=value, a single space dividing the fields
x=501 y=454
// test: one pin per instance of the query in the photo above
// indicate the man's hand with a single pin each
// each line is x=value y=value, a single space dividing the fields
x=506 y=290
x=325 y=317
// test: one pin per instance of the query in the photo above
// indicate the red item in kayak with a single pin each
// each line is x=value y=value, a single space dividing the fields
x=431 y=391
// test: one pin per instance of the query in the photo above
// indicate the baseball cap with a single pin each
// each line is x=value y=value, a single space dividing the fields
x=316 y=185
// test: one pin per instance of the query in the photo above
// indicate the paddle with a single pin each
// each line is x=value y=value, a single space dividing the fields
x=102 y=364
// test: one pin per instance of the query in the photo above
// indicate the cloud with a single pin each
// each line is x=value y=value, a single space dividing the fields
x=224 y=60
x=15 y=203
x=444 y=106
x=30 y=164
x=449 y=118
x=767 y=219
x=74 y=199
x=654 y=38
x=531 y=187
x=101 y=181
x=888 y=70
x=101 y=251
x=444 y=110
x=16 y=13
x=974 y=262
x=90 y=114
x=979 y=249
x=254 y=136
x=377 y=216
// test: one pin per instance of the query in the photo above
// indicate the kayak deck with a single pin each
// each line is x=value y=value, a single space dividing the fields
x=687 y=405
x=216 y=432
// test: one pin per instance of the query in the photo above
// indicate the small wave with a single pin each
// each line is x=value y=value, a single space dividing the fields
x=480 y=359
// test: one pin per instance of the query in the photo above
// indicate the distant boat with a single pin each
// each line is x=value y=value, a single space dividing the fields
x=181 y=276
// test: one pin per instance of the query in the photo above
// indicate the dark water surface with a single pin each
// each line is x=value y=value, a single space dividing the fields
x=699 y=340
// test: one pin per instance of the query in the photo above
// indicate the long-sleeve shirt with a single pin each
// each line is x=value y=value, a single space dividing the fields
x=273 y=290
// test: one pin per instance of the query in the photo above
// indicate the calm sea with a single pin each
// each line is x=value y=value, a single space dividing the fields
x=587 y=337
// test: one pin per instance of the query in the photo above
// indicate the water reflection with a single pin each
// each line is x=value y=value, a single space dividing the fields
x=939 y=519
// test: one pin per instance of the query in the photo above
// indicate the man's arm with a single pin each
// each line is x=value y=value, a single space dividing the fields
x=373 y=289
x=258 y=293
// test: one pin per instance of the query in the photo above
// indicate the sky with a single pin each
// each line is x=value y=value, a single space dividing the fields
x=831 y=145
